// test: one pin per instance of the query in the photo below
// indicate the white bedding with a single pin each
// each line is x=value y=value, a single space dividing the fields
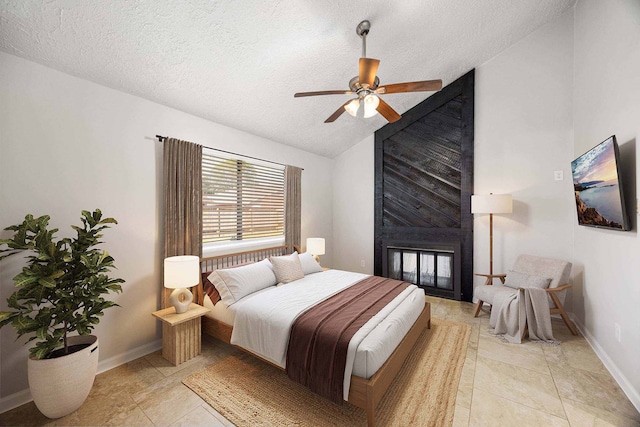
x=262 y=321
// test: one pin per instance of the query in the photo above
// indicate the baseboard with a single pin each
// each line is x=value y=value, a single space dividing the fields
x=14 y=400
x=128 y=356
x=24 y=396
x=625 y=385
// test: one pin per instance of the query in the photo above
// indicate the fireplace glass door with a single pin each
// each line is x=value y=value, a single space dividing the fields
x=423 y=267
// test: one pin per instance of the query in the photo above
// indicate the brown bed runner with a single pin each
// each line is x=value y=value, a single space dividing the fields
x=317 y=352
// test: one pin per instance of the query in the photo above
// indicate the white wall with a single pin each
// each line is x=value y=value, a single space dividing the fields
x=523 y=133
x=353 y=192
x=67 y=144
x=607 y=102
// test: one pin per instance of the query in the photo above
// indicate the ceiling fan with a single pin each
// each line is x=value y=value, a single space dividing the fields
x=366 y=85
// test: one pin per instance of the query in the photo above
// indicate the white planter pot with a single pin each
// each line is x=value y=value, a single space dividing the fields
x=59 y=386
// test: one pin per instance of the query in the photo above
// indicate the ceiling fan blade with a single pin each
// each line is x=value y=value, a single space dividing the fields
x=423 y=86
x=368 y=70
x=332 y=118
x=323 y=92
x=387 y=112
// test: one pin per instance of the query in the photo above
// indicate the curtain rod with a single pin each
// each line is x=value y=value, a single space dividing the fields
x=163 y=138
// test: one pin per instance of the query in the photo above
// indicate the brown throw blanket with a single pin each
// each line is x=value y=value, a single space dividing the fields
x=317 y=351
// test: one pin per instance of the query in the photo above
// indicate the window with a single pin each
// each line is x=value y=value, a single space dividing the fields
x=240 y=200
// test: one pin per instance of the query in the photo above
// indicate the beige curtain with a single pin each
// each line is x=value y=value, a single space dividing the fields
x=292 y=204
x=182 y=183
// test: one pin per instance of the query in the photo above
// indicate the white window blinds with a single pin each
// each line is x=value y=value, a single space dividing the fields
x=240 y=200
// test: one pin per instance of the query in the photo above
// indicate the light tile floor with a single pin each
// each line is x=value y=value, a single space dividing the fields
x=502 y=385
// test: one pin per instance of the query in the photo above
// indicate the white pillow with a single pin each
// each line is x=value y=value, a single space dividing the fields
x=309 y=263
x=287 y=268
x=236 y=283
x=520 y=280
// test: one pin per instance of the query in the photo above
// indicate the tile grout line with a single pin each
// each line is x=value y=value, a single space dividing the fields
x=556 y=385
x=473 y=382
x=216 y=414
x=522 y=367
x=523 y=403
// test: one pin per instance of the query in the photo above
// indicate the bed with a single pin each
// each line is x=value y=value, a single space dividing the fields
x=380 y=347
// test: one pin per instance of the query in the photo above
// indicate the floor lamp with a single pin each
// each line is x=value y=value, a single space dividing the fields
x=491 y=204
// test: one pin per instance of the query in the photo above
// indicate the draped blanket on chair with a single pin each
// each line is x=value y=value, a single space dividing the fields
x=512 y=311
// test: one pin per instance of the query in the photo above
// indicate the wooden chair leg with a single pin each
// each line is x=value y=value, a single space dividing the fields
x=478 y=308
x=563 y=314
x=569 y=323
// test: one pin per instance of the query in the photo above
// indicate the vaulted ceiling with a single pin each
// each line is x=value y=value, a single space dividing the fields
x=239 y=62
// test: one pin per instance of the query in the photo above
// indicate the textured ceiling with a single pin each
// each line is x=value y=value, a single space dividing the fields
x=239 y=62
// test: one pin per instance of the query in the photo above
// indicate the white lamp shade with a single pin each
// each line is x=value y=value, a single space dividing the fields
x=352 y=107
x=315 y=245
x=491 y=204
x=371 y=102
x=181 y=271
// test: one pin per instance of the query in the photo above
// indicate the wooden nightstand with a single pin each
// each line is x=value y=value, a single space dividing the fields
x=181 y=333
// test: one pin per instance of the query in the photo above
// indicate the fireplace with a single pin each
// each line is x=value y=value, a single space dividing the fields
x=433 y=267
x=423 y=226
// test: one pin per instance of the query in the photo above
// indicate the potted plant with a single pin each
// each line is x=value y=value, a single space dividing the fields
x=58 y=301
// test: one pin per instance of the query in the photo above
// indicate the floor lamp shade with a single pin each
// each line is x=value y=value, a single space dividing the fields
x=181 y=272
x=491 y=204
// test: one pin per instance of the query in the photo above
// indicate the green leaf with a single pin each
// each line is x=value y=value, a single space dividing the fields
x=24 y=324
x=43 y=257
x=6 y=317
x=24 y=280
x=43 y=221
x=115 y=288
x=12 y=301
x=108 y=304
x=39 y=352
x=47 y=282
x=57 y=274
x=41 y=333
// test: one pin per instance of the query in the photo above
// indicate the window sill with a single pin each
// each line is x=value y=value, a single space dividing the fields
x=209 y=250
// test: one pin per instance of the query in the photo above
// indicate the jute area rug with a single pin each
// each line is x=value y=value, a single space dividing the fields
x=249 y=392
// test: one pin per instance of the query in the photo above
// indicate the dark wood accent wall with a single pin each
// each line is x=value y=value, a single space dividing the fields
x=424 y=178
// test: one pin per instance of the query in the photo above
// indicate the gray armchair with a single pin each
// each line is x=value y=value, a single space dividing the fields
x=556 y=270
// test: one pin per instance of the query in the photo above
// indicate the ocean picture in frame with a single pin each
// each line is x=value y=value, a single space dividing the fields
x=597 y=187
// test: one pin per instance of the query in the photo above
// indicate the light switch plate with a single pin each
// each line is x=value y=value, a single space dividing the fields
x=558 y=175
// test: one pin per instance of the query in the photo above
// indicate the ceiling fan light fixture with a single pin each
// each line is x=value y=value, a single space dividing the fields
x=371 y=103
x=366 y=86
x=352 y=107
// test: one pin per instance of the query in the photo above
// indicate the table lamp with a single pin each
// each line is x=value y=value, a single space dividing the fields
x=315 y=246
x=181 y=272
x=491 y=204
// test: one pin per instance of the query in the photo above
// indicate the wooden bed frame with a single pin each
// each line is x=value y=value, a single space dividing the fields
x=363 y=393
